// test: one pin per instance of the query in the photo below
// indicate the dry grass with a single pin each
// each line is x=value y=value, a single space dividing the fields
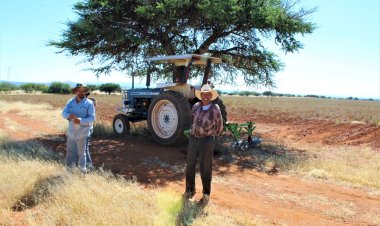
x=220 y=216
x=359 y=166
x=101 y=200
x=73 y=199
x=20 y=177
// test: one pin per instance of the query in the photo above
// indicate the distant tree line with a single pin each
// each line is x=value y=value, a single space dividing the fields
x=272 y=94
x=64 y=88
x=57 y=87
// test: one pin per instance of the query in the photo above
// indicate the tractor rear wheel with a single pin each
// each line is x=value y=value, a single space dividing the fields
x=121 y=125
x=169 y=115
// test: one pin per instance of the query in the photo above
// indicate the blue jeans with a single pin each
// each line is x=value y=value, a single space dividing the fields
x=88 y=156
x=76 y=152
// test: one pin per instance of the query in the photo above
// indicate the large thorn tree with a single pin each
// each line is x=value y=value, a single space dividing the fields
x=119 y=34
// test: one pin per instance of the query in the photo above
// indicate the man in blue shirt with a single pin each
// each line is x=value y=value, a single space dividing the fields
x=81 y=114
x=88 y=155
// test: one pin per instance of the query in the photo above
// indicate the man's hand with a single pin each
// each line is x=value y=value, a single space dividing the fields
x=76 y=121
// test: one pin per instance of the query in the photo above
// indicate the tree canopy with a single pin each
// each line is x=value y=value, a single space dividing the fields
x=59 y=87
x=110 y=88
x=119 y=34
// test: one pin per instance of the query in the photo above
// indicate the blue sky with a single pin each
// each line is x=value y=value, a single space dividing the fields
x=341 y=58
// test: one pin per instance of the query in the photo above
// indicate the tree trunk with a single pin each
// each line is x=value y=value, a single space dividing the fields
x=179 y=74
x=207 y=73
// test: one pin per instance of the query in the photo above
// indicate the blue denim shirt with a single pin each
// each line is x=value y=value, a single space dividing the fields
x=85 y=111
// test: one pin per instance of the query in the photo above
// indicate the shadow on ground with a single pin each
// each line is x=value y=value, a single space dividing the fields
x=141 y=159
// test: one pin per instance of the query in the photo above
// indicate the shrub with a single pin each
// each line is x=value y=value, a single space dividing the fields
x=244 y=93
x=59 y=87
x=7 y=86
x=33 y=87
x=312 y=96
x=92 y=87
x=267 y=93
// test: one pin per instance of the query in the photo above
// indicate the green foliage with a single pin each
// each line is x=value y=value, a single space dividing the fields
x=237 y=129
x=59 y=87
x=92 y=87
x=110 y=88
x=117 y=35
x=312 y=96
x=187 y=133
x=250 y=127
x=267 y=93
x=7 y=86
x=244 y=93
x=33 y=87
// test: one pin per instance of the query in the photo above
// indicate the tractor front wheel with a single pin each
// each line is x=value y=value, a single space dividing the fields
x=121 y=125
x=169 y=115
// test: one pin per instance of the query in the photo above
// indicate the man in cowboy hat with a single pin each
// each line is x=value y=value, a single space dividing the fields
x=81 y=114
x=207 y=124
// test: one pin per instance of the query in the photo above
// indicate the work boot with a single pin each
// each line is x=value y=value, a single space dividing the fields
x=204 y=200
x=188 y=195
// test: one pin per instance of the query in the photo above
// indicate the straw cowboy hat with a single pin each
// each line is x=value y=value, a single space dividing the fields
x=80 y=85
x=206 y=89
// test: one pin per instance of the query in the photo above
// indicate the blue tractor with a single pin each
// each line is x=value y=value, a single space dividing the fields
x=167 y=108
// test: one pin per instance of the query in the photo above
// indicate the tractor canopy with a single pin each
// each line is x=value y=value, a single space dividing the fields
x=185 y=59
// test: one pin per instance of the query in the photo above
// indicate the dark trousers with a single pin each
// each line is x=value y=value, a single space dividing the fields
x=202 y=148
